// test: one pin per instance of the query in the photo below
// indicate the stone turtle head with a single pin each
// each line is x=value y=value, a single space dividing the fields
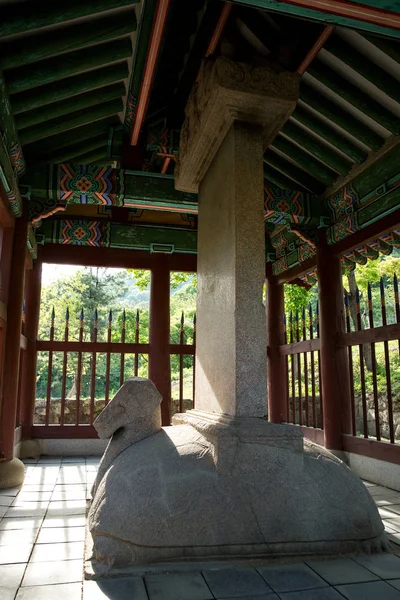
x=137 y=400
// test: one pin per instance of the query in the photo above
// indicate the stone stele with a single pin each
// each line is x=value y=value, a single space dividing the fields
x=207 y=488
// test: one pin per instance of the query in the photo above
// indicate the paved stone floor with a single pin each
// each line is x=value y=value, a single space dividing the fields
x=42 y=531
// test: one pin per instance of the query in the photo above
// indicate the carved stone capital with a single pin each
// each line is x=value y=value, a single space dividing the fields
x=228 y=91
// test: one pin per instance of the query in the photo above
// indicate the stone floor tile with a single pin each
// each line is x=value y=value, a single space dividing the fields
x=394 y=522
x=394 y=508
x=18 y=536
x=66 y=507
x=27 y=511
x=61 y=591
x=230 y=583
x=373 y=590
x=10 y=491
x=74 y=459
x=3 y=510
x=368 y=483
x=47 y=573
x=25 y=496
x=341 y=570
x=394 y=538
x=127 y=588
x=269 y=596
x=385 y=566
x=7 y=593
x=51 y=535
x=395 y=583
x=6 y=500
x=177 y=586
x=37 y=487
x=23 y=523
x=379 y=489
x=18 y=553
x=57 y=552
x=11 y=575
x=383 y=501
x=69 y=494
x=65 y=521
x=291 y=577
x=326 y=593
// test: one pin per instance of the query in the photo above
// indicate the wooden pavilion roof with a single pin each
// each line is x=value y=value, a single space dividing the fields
x=103 y=84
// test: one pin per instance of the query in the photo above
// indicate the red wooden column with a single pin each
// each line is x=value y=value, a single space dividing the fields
x=277 y=405
x=159 y=358
x=33 y=282
x=334 y=363
x=13 y=338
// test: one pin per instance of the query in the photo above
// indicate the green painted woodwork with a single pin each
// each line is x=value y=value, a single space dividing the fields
x=378 y=173
x=334 y=160
x=115 y=235
x=70 y=86
x=354 y=95
x=7 y=122
x=305 y=160
x=69 y=153
x=140 y=189
x=339 y=116
x=293 y=172
x=44 y=149
x=70 y=105
x=21 y=17
x=67 y=122
x=143 y=189
x=389 y=47
x=8 y=180
x=331 y=135
x=15 y=54
x=279 y=179
x=325 y=17
x=366 y=68
x=139 y=59
x=52 y=69
x=96 y=155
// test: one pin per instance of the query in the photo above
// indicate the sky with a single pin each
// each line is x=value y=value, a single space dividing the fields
x=50 y=273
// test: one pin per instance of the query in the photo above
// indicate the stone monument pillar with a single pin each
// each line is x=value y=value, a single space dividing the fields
x=232 y=116
x=223 y=481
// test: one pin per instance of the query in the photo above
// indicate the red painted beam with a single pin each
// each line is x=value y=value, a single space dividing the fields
x=350 y=10
x=212 y=46
x=316 y=47
x=152 y=56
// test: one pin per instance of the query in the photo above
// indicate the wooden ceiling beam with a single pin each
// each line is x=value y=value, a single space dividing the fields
x=342 y=118
x=354 y=95
x=96 y=155
x=327 y=132
x=368 y=69
x=391 y=48
x=279 y=179
x=68 y=87
x=71 y=152
x=46 y=71
x=43 y=150
x=327 y=155
x=317 y=169
x=293 y=172
x=160 y=19
x=315 y=48
x=21 y=17
x=70 y=105
x=33 y=48
x=67 y=122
